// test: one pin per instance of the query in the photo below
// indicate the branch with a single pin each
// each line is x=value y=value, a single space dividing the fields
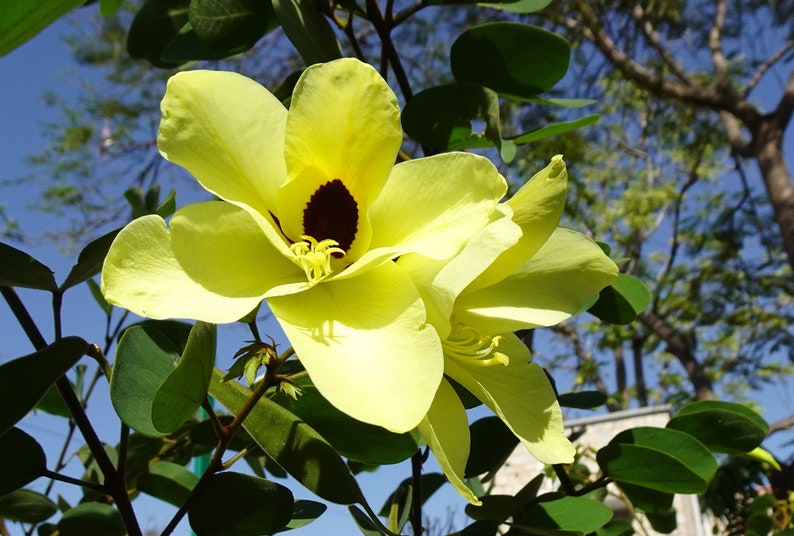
x=762 y=70
x=715 y=44
x=653 y=37
x=785 y=106
x=781 y=425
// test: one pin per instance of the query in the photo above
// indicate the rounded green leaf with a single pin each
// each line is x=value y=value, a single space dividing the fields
x=22 y=460
x=231 y=26
x=304 y=512
x=234 y=504
x=89 y=262
x=657 y=458
x=292 y=443
x=362 y=442
x=168 y=481
x=25 y=380
x=18 y=269
x=494 y=507
x=144 y=358
x=445 y=117
x=510 y=58
x=308 y=30
x=91 y=518
x=491 y=444
x=622 y=301
x=580 y=514
x=26 y=506
x=721 y=426
x=647 y=500
x=155 y=25
x=185 y=388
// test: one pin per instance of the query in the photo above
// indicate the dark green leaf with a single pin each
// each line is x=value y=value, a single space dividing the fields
x=446 y=117
x=96 y=293
x=234 y=504
x=491 y=444
x=25 y=380
x=304 y=512
x=89 y=262
x=622 y=301
x=582 y=399
x=176 y=331
x=155 y=25
x=364 y=523
x=580 y=514
x=91 y=518
x=292 y=443
x=657 y=458
x=144 y=358
x=513 y=6
x=18 y=269
x=555 y=129
x=512 y=59
x=616 y=527
x=182 y=392
x=663 y=523
x=231 y=26
x=187 y=46
x=647 y=500
x=479 y=528
x=494 y=507
x=721 y=426
x=430 y=484
x=168 y=205
x=21 y=21
x=26 y=506
x=168 y=482
x=22 y=460
x=308 y=30
x=52 y=403
x=353 y=439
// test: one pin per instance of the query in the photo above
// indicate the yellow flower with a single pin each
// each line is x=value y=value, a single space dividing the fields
x=502 y=281
x=313 y=213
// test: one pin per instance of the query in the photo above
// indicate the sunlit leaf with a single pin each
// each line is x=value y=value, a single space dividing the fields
x=622 y=301
x=91 y=518
x=308 y=30
x=721 y=426
x=168 y=481
x=25 y=380
x=234 y=504
x=510 y=58
x=18 y=269
x=89 y=262
x=185 y=388
x=577 y=514
x=22 y=460
x=26 y=506
x=21 y=21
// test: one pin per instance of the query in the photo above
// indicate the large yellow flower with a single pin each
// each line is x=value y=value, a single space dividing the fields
x=313 y=213
x=503 y=281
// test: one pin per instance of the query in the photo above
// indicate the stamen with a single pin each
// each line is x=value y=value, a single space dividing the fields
x=315 y=257
x=469 y=346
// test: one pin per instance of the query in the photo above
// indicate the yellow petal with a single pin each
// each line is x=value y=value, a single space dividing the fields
x=366 y=346
x=228 y=132
x=446 y=431
x=432 y=206
x=556 y=283
x=343 y=124
x=521 y=395
x=537 y=208
x=142 y=274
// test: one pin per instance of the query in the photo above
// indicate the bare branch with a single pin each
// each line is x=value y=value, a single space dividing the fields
x=653 y=37
x=715 y=44
x=780 y=425
x=768 y=64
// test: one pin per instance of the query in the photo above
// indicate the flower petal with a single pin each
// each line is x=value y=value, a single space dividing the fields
x=537 y=209
x=556 y=283
x=343 y=124
x=521 y=395
x=432 y=206
x=446 y=431
x=366 y=345
x=142 y=274
x=228 y=132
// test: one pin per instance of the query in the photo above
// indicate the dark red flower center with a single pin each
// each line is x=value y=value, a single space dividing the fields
x=332 y=213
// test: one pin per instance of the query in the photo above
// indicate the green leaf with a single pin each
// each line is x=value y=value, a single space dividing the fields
x=521 y=6
x=491 y=444
x=479 y=528
x=22 y=460
x=622 y=301
x=446 y=117
x=364 y=523
x=89 y=262
x=352 y=439
x=18 y=269
x=431 y=482
x=303 y=513
x=96 y=293
x=109 y=7
x=234 y=504
x=292 y=443
x=580 y=514
x=188 y=46
x=144 y=358
x=663 y=523
x=176 y=331
x=582 y=399
x=231 y=26
x=555 y=129
x=512 y=59
x=25 y=380
x=721 y=426
x=616 y=527
x=308 y=30
x=91 y=518
x=168 y=481
x=155 y=25
x=21 y=21
x=182 y=392
x=660 y=459
x=648 y=500
x=26 y=506
x=494 y=507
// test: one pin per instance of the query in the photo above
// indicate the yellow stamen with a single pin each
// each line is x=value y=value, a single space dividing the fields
x=469 y=346
x=315 y=257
